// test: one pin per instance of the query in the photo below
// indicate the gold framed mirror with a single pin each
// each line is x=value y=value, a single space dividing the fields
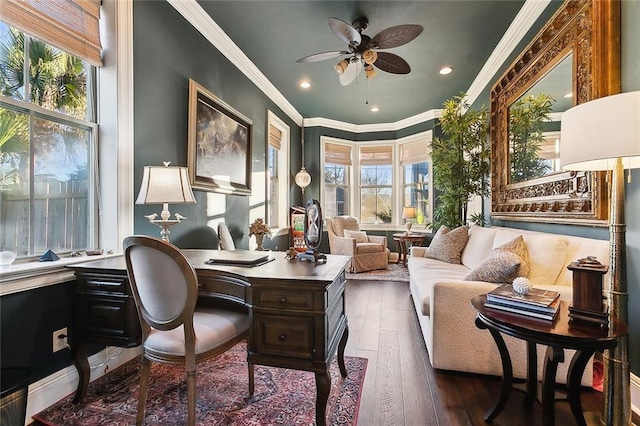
x=587 y=33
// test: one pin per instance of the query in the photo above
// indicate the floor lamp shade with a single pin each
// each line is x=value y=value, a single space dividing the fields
x=604 y=134
x=595 y=134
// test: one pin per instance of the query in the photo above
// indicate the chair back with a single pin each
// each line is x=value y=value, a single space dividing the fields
x=163 y=283
x=225 y=242
x=337 y=225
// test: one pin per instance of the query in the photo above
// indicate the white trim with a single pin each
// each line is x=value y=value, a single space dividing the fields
x=524 y=20
x=49 y=390
x=635 y=394
x=284 y=167
x=380 y=127
x=203 y=23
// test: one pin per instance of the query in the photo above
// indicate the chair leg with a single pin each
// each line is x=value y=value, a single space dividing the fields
x=145 y=368
x=191 y=397
x=251 y=378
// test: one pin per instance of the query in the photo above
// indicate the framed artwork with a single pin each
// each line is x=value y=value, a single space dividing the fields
x=219 y=145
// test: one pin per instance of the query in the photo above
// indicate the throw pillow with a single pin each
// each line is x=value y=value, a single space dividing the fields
x=447 y=245
x=499 y=267
x=359 y=236
x=504 y=263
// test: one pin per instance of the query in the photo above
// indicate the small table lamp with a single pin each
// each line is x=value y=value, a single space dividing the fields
x=408 y=213
x=604 y=134
x=164 y=185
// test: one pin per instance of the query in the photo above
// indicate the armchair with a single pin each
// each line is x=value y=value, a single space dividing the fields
x=367 y=252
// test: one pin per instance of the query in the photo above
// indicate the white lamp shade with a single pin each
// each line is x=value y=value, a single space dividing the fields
x=164 y=184
x=408 y=212
x=595 y=134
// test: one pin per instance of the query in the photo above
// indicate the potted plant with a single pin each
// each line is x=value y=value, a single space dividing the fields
x=460 y=160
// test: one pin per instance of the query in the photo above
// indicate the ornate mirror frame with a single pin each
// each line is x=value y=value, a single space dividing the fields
x=590 y=30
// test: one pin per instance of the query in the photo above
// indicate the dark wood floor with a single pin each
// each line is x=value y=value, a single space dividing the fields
x=401 y=388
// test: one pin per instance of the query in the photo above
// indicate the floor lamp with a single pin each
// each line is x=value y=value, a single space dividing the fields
x=604 y=134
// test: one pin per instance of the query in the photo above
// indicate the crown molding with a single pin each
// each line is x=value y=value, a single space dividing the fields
x=522 y=23
x=203 y=23
x=370 y=128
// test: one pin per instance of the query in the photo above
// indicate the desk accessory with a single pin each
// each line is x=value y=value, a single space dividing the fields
x=312 y=232
x=588 y=301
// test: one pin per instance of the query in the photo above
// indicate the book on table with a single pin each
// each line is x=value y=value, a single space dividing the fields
x=537 y=303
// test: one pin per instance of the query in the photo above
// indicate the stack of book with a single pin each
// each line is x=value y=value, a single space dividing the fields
x=537 y=303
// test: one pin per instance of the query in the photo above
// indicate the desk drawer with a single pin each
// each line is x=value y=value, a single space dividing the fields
x=284 y=299
x=284 y=335
x=104 y=283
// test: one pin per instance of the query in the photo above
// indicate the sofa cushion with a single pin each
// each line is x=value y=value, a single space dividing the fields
x=545 y=252
x=501 y=267
x=447 y=245
x=359 y=236
x=478 y=246
x=423 y=272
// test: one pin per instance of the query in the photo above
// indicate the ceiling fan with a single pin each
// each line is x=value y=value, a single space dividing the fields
x=364 y=51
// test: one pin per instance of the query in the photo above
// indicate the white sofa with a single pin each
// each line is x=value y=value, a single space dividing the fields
x=442 y=298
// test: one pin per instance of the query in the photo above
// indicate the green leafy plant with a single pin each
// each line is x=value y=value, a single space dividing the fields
x=384 y=216
x=478 y=219
x=526 y=126
x=460 y=160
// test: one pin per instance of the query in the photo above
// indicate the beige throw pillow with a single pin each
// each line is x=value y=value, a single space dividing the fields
x=359 y=236
x=504 y=264
x=447 y=245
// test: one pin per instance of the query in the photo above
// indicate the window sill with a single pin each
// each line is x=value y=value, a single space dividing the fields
x=30 y=275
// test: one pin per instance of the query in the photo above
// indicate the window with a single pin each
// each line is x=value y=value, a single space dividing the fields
x=337 y=167
x=376 y=184
x=416 y=170
x=47 y=137
x=277 y=198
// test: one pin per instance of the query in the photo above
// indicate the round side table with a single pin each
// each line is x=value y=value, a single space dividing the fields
x=401 y=242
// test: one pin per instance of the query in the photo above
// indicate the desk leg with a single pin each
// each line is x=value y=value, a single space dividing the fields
x=79 y=355
x=341 y=347
x=554 y=356
x=532 y=374
x=323 y=386
x=574 y=378
x=507 y=372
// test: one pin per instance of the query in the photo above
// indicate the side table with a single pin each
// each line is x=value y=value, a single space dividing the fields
x=557 y=335
x=401 y=242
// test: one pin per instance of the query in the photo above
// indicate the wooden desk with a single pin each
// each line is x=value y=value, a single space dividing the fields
x=401 y=242
x=297 y=311
x=557 y=335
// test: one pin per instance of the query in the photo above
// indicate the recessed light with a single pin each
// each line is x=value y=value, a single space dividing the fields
x=569 y=95
x=305 y=84
x=446 y=70
x=375 y=109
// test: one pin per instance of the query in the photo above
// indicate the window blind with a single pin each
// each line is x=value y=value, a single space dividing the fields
x=69 y=25
x=337 y=154
x=414 y=152
x=275 y=137
x=376 y=155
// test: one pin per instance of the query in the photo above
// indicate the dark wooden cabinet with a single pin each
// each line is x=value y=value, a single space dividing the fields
x=297 y=311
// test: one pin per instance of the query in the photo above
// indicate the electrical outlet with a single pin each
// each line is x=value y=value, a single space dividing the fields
x=60 y=339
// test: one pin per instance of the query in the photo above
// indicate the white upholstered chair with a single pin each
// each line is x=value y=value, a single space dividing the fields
x=174 y=329
x=225 y=242
x=367 y=252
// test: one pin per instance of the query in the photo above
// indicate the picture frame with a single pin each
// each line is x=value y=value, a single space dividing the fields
x=219 y=144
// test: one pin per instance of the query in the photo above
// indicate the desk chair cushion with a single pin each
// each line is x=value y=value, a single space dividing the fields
x=213 y=327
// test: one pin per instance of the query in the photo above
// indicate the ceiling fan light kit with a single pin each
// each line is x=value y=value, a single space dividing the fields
x=363 y=50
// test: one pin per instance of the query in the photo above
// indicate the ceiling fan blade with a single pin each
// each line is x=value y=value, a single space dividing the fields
x=395 y=36
x=345 y=32
x=321 y=56
x=350 y=74
x=391 y=63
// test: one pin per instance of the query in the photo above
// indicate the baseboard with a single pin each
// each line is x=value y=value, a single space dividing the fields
x=635 y=394
x=51 y=389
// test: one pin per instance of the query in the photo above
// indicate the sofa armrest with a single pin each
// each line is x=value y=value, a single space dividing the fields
x=342 y=245
x=417 y=251
x=379 y=239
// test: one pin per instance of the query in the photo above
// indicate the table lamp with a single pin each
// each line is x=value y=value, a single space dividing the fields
x=604 y=134
x=165 y=185
x=408 y=213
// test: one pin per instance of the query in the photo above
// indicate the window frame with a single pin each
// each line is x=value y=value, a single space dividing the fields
x=283 y=172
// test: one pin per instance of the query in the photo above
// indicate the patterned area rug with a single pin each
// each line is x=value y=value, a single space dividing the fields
x=282 y=397
x=394 y=272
